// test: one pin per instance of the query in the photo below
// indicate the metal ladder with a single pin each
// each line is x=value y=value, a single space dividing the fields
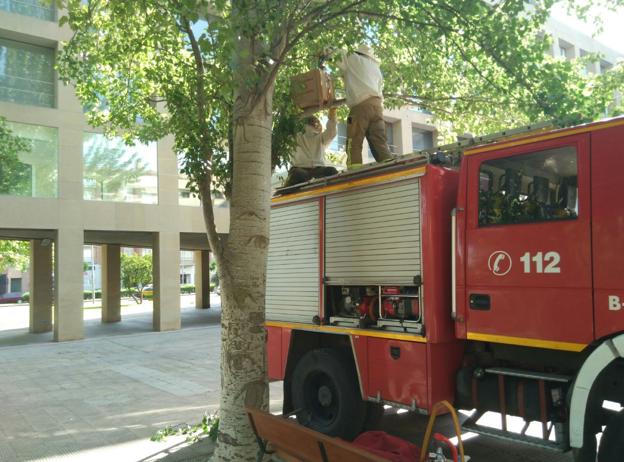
x=561 y=442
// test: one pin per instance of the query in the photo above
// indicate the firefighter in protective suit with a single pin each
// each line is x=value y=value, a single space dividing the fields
x=363 y=87
x=309 y=158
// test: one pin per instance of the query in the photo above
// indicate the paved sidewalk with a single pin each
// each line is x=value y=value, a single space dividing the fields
x=14 y=319
x=100 y=399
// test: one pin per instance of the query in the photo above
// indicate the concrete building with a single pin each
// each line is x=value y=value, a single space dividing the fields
x=408 y=129
x=76 y=187
x=569 y=43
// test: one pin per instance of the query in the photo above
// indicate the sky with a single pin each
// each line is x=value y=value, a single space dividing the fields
x=612 y=24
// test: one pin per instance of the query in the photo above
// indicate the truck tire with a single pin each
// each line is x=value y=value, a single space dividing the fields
x=374 y=416
x=612 y=441
x=326 y=394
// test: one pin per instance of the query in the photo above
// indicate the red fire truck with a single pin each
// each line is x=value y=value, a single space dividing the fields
x=497 y=284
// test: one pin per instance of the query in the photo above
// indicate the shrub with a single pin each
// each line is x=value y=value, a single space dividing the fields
x=187 y=288
x=26 y=297
x=88 y=294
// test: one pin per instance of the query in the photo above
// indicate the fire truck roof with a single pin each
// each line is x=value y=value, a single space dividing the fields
x=448 y=155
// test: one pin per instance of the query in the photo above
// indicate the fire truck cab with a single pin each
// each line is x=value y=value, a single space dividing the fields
x=496 y=284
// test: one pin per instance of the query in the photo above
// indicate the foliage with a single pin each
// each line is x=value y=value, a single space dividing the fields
x=88 y=294
x=14 y=177
x=136 y=273
x=488 y=62
x=214 y=275
x=208 y=427
x=14 y=254
x=187 y=288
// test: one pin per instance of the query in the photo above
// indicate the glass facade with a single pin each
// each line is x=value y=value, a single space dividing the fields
x=40 y=9
x=35 y=172
x=114 y=171
x=26 y=74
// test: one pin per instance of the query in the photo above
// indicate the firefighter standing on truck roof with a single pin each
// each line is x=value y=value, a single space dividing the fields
x=309 y=158
x=363 y=87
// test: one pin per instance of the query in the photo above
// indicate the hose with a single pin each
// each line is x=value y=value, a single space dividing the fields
x=440 y=406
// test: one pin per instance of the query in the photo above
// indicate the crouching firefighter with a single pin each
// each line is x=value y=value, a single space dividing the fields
x=309 y=158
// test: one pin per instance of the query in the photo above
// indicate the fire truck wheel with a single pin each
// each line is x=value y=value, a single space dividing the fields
x=612 y=441
x=326 y=391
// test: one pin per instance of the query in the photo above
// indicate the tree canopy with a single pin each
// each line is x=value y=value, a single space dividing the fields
x=216 y=75
x=478 y=65
x=136 y=272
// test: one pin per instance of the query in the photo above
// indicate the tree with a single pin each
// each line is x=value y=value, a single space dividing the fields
x=136 y=273
x=14 y=254
x=216 y=76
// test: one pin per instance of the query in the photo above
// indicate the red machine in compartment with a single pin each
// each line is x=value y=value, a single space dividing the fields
x=394 y=305
x=494 y=283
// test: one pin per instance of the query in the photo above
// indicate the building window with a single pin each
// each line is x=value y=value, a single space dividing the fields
x=40 y=9
x=185 y=196
x=339 y=143
x=390 y=138
x=26 y=74
x=605 y=66
x=566 y=49
x=590 y=67
x=16 y=285
x=114 y=171
x=35 y=171
x=540 y=186
x=421 y=139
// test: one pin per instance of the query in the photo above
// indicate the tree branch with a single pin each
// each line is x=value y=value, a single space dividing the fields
x=205 y=184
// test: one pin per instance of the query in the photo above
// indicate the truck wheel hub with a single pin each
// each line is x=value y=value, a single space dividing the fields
x=324 y=396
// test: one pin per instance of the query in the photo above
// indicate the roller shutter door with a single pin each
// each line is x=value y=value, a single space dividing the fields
x=373 y=236
x=293 y=280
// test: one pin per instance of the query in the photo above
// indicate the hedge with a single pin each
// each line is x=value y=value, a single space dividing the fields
x=87 y=294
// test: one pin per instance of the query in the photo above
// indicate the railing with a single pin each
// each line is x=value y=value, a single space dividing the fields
x=339 y=144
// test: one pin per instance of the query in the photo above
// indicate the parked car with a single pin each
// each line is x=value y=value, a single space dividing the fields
x=11 y=297
x=148 y=290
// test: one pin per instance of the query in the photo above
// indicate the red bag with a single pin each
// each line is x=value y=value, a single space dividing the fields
x=387 y=446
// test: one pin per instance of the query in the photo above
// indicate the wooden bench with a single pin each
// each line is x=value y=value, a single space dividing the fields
x=292 y=442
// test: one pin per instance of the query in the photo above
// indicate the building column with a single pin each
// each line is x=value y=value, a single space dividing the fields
x=40 y=285
x=68 y=285
x=166 y=268
x=111 y=283
x=202 y=279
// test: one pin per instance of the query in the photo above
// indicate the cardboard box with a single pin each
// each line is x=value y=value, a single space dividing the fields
x=313 y=89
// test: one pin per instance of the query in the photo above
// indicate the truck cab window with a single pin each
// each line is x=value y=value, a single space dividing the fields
x=540 y=186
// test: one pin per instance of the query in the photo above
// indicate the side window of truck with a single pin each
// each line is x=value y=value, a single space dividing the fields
x=526 y=188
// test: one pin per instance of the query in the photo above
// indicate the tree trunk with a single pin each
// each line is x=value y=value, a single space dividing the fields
x=242 y=275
